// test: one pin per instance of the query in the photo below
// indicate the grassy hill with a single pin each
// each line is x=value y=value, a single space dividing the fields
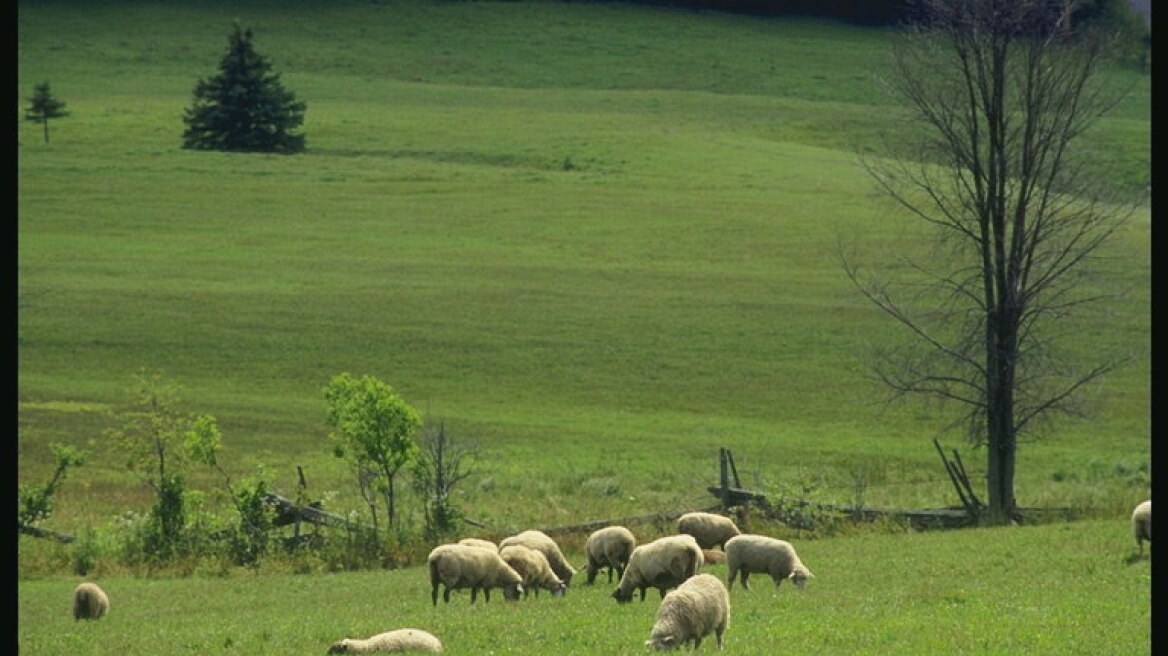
x=600 y=240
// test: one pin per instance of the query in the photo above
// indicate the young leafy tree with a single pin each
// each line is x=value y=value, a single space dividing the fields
x=159 y=441
x=374 y=431
x=36 y=503
x=244 y=108
x=43 y=106
x=1002 y=89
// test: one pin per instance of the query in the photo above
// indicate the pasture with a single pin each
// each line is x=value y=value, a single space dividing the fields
x=1051 y=589
x=532 y=243
x=601 y=241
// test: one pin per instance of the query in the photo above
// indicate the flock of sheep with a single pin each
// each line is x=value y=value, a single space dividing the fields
x=693 y=605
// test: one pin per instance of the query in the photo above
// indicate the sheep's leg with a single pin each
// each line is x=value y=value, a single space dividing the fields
x=643 y=593
x=434 y=594
x=718 y=634
x=474 y=594
x=445 y=595
x=486 y=594
x=745 y=580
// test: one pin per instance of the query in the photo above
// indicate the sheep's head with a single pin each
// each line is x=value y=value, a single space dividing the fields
x=662 y=643
x=341 y=647
x=512 y=591
x=800 y=575
x=622 y=597
x=558 y=589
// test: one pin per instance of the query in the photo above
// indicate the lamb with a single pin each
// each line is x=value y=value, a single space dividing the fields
x=399 y=640
x=458 y=566
x=89 y=602
x=539 y=541
x=697 y=608
x=609 y=547
x=663 y=563
x=533 y=566
x=478 y=542
x=708 y=529
x=747 y=554
x=1141 y=522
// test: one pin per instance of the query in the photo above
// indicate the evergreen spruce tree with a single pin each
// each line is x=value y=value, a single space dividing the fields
x=244 y=108
x=43 y=106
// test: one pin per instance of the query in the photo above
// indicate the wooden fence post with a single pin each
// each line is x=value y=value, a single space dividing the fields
x=724 y=476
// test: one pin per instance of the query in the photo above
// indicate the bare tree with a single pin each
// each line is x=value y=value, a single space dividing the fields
x=442 y=464
x=1002 y=88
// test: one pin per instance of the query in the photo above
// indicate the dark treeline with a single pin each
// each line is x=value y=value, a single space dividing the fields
x=865 y=12
x=884 y=12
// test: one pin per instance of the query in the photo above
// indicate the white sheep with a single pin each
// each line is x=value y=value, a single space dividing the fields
x=663 y=563
x=399 y=640
x=747 y=554
x=533 y=566
x=697 y=608
x=457 y=566
x=540 y=541
x=479 y=542
x=609 y=547
x=89 y=602
x=1141 y=523
x=708 y=529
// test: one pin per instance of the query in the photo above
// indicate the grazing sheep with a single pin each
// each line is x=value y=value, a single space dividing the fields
x=400 y=640
x=748 y=554
x=609 y=547
x=1141 y=523
x=663 y=563
x=89 y=602
x=714 y=556
x=697 y=608
x=477 y=542
x=540 y=541
x=533 y=566
x=708 y=529
x=458 y=566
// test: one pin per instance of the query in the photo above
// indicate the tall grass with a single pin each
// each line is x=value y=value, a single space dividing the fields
x=601 y=240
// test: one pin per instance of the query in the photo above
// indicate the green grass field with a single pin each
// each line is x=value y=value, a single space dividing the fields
x=1051 y=589
x=601 y=240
